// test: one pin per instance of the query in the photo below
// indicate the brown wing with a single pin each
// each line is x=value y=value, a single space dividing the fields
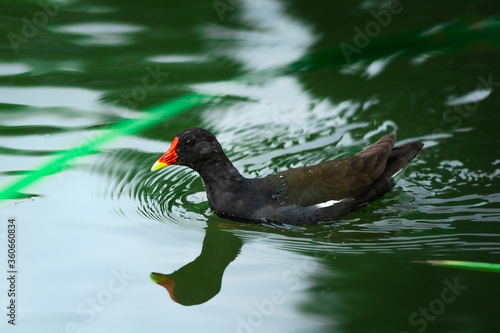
x=333 y=180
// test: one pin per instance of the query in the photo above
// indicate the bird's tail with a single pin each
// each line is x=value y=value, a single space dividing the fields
x=401 y=156
x=398 y=159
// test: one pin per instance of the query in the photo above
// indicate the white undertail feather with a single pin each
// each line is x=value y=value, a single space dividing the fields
x=395 y=174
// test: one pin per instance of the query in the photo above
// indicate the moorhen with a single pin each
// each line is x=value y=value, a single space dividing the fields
x=304 y=195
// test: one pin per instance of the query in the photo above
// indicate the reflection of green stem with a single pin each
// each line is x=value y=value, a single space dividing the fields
x=475 y=266
x=124 y=127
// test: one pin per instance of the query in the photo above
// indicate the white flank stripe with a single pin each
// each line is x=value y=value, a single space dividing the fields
x=327 y=203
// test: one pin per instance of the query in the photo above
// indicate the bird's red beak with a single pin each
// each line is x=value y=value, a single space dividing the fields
x=168 y=158
x=165 y=281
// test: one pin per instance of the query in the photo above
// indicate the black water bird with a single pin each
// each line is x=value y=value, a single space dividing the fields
x=304 y=195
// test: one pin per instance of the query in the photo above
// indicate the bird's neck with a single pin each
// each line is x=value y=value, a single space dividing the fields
x=221 y=175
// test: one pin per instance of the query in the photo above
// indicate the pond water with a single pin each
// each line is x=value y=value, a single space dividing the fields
x=87 y=90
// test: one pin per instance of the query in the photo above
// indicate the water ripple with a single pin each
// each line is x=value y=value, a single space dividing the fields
x=175 y=194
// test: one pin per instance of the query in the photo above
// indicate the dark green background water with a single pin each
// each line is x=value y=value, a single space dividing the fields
x=89 y=236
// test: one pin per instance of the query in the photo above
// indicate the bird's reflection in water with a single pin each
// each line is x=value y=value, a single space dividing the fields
x=200 y=280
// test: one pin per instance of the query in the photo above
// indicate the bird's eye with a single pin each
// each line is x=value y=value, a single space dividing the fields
x=189 y=143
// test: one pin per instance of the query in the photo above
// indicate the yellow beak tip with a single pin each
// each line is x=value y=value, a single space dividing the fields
x=157 y=277
x=158 y=165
